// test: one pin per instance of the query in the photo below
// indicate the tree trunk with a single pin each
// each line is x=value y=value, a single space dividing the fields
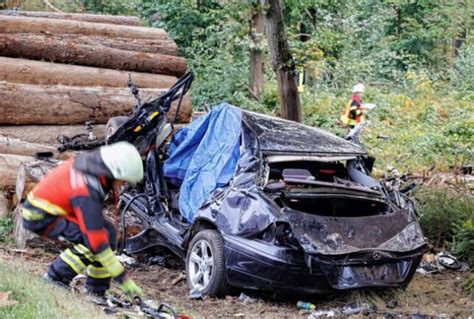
x=16 y=146
x=9 y=166
x=97 y=18
x=47 y=134
x=167 y=47
x=5 y=204
x=34 y=104
x=46 y=73
x=257 y=29
x=30 y=47
x=9 y=24
x=282 y=62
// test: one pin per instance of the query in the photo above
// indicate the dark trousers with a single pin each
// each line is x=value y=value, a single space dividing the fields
x=74 y=260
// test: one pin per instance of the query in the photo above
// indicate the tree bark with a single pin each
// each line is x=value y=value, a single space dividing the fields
x=47 y=134
x=9 y=166
x=167 y=47
x=257 y=29
x=282 y=62
x=16 y=146
x=34 y=104
x=46 y=73
x=31 y=47
x=5 y=204
x=97 y=18
x=15 y=24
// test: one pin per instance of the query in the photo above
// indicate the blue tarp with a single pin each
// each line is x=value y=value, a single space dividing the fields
x=203 y=156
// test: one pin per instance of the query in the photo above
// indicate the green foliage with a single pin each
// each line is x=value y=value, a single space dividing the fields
x=6 y=228
x=444 y=215
x=463 y=241
x=462 y=72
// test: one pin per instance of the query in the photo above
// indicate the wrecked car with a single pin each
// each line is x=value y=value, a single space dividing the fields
x=253 y=201
x=284 y=207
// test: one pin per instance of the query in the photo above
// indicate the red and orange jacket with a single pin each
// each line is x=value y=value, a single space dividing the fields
x=76 y=191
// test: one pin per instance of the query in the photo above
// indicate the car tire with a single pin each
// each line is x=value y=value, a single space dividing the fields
x=113 y=124
x=205 y=264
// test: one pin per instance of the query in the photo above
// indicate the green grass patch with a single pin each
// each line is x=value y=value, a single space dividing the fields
x=6 y=228
x=37 y=299
x=446 y=218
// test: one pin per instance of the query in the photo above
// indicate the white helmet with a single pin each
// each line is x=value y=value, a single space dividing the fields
x=123 y=161
x=358 y=88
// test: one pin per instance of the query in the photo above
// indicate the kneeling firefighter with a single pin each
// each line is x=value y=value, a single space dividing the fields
x=68 y=204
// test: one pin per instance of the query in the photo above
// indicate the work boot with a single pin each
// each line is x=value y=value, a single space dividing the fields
x=97 y=297
x=58 y=283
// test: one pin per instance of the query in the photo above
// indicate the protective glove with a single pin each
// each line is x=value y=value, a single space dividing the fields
x=130 y=288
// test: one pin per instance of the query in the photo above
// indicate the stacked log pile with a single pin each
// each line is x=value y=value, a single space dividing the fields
x=59 y=70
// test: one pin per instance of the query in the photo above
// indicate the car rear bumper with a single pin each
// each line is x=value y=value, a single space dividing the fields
x=256 y=264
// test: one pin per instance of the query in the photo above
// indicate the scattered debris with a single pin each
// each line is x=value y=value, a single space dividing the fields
x=436 y=263
x=448 y=261
x=305 y=305
x=5 y=300
x=356 y=308
x=392 y=303
x=195 y=294
x=323 y=313
x=246 y=299
x=127 y=260
x=136 y=308
x=157 y=260
x=177 y=280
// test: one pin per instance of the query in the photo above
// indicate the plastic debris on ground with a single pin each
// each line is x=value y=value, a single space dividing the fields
x=157 y=260
x=195 y=294
x=323 y=314
x=305 y=305
x=431 y=263
x=392 y=303
x=356 y=308
x=246 y=299
x=127 y=260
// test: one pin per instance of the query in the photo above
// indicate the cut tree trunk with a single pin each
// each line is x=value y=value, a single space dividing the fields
x=46 y=73
x=5 y=204
x=9 y=24
x=9 y=166
x=47 y=134
x=30 y=47
x=97 y=18
x=167 y=47
x=256 y=52
x=9 y=145
x=34 y=104
x=282 y=61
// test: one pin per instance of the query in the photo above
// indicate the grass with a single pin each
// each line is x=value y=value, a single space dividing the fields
x=37 y=299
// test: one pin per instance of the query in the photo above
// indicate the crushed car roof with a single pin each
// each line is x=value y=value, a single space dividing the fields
x=279 y=136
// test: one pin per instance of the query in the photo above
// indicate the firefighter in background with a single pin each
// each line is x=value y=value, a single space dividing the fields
x=67 y=204
x=356 y=111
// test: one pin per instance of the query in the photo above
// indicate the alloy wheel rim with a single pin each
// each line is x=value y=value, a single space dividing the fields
x=201 y=265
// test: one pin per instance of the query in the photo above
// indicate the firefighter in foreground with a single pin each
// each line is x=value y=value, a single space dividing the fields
x=68 y=204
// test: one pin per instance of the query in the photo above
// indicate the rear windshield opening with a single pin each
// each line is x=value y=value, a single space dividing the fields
x=336 y=207
x=320 y=171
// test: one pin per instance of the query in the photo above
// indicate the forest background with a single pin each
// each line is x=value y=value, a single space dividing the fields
x=416 y=58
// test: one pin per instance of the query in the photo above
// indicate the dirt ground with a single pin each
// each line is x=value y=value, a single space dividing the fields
x=435 y=295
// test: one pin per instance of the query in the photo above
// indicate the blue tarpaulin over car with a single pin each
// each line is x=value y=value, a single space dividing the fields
x=203 y=156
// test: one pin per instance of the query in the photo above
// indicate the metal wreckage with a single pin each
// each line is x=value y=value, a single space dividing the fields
x=253 y=201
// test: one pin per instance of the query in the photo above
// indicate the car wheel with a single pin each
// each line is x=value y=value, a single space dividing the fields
x=113 y=124
x=205 y=264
